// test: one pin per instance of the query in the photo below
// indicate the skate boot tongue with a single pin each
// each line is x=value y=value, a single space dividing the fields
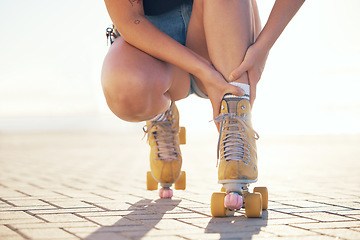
x=233 y=102
x=162 y=136
x=235 y=130
x=167 y=150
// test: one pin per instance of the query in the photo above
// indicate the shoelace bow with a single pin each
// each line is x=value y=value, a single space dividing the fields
x=164 y=138
x=235 y=145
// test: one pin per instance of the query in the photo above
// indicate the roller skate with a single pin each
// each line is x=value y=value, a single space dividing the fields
x=238 y=162
x=164 y=138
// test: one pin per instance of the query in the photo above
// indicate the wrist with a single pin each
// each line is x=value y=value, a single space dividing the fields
x=262 y=45
x=203 y=70
x=265 y=41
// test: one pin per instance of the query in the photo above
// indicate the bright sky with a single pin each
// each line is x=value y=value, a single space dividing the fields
x=51 y=54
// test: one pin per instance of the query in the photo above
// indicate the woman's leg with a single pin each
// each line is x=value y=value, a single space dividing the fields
x=228 y=29
x=138 y=86
x=221 y=31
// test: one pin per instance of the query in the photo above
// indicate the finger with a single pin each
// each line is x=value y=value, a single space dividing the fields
x=235 y=74
x=237 y=91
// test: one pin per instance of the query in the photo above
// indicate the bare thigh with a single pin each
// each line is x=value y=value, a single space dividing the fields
x=138 y=86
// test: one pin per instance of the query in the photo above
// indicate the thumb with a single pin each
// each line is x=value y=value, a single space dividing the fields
x=240 y=70
x=237 y=91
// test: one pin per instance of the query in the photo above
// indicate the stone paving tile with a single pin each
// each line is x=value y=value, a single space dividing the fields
x=44 y=233
x=70 y=203
x=356 y=216
x=102 y=235
x=52 y=225
x=286 y=231
x=314 y=237
x=324 y=216
x=113 y=213
x=185 y=215
x=295 y=210
x=170 y=237
x=289 y=221
x=9 y=193
x=79 y=210
x=113 y=220
x=28 y=202
x=22 y=220
x=230 y=235
x=345 y=212
x=13 y=215
x=167 y=224
x=162 y=232
x=340 y=233
x=113 y=205
x=342 y=224
x=61 y=217
x=7 y=233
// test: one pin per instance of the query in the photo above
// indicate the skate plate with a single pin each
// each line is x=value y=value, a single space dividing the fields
x=237 y=196
x=165 y=190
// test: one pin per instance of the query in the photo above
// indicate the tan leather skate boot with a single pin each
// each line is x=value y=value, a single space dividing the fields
x=237 y=147
x=164 y=138
x=238 y=161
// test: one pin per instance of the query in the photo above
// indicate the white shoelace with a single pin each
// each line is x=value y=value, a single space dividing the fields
x=235 y=145
x=164 y=138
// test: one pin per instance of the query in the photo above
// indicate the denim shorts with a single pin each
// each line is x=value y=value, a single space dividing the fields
x=175 y=24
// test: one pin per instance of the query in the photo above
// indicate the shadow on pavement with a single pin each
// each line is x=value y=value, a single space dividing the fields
x=144 y=216
x=238 y=227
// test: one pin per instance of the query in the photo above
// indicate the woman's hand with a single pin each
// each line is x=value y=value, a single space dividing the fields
x=253 y=64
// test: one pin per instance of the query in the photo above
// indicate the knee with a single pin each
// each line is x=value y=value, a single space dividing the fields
x=126 y=95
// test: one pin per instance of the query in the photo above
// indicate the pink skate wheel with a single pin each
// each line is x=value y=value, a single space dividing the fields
x=233 y=201
x=165 y=193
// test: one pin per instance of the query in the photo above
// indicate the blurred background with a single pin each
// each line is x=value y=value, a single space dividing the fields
x=51 y=54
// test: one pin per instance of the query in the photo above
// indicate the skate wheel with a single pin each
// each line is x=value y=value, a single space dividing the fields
x=181 y=183
x=253 y=205
x=264 y=196
x=182 y=135
x=223 y=189
x=151 y=183
x=233 y=201
x=165 y=193
x=217 y=204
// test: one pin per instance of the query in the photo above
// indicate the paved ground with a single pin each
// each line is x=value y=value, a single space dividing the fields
x=92 y=186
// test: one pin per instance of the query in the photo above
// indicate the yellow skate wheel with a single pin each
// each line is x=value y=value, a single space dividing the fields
x=182 y=135
x=151 y=183
x=181 y=183
x=264 y=196
x=217 y=204
x=253 y=205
